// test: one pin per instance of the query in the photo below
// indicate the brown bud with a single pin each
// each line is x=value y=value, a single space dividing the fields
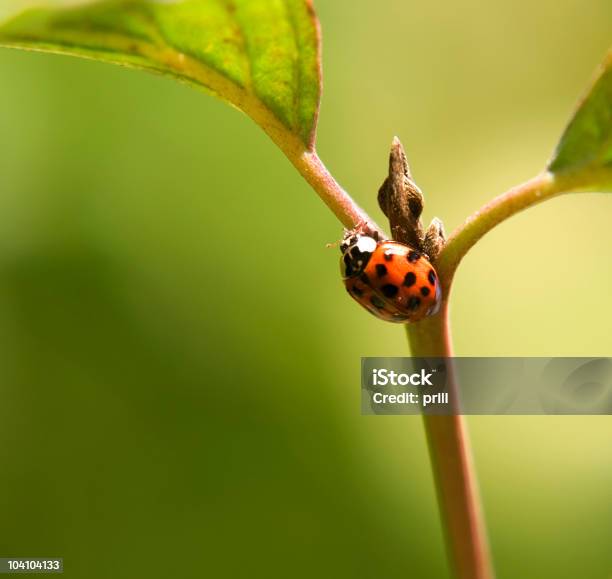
x=435 y=238
x=401 y=200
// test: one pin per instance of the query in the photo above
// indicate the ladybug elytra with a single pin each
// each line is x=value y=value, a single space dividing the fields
x=393 y=281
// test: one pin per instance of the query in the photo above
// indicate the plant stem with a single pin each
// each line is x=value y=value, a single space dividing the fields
x=447 y=436
x=335 y=197
x=402 y=202
x=453 y=470
x=538 y=189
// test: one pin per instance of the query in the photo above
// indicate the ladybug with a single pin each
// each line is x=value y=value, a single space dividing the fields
x=391 y=280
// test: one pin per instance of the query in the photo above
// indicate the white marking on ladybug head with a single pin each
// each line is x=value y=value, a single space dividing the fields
x=366 y=244
x=356 y=252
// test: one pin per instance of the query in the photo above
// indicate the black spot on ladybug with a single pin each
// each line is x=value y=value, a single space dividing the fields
x=413 y=303
x=425 y=291
x=388 y=256
x=410 y=279
x=357 y=291
x=348 y=265
x=358 y=256
x=389 y=290
x=413 y=256
x=364 y=278
x=377 y=302
x=432 y=277
x=381 y=270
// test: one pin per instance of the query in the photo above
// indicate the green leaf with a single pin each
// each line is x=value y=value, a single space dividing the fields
x=585 y=149
x=262 y=56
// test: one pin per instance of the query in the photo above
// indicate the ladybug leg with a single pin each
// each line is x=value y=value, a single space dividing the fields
x=364 y=228
x=349 y=236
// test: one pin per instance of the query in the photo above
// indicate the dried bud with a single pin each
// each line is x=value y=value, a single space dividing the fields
x=401 y=200
x=435 y=238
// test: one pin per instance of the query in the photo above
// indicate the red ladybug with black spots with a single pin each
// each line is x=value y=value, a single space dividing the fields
x=391 y=280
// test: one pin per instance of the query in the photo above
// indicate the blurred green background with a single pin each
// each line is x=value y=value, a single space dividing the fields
x=180 y=363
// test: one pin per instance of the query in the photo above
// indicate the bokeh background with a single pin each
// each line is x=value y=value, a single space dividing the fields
x=180 y=363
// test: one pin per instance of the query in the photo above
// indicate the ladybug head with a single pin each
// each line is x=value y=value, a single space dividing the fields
x=356 y=252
